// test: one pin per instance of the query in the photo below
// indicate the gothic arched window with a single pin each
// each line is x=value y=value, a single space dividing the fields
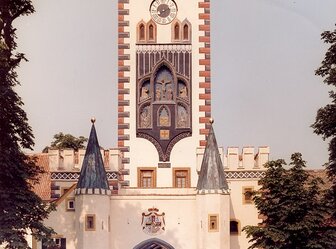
x=141 y=31
x=185 y=32
x=177 y=31
x=151 y=31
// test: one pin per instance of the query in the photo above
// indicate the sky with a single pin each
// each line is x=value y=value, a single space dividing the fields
x=264 y=54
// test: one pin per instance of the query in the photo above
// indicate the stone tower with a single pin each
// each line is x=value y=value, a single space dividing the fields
x=213 y=199
x=163 y=88
x=92 y=199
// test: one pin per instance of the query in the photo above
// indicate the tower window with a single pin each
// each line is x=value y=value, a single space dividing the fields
x=70 y=204
x=142 y=32
x=90 y=222
x=234 y=227
x=181 y=178
x=213 y=223
x=186 y=32
x=247 y=195
x=146 y=177
x=151 y=32
x=177 y=31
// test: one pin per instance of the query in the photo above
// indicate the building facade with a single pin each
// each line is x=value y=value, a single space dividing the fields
x=167 y=184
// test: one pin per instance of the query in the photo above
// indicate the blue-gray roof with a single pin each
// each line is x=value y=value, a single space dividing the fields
x=93 y=174
x=212 y=175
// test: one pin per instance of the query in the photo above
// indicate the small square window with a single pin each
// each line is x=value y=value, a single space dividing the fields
x=70 y=204
x=247 y=195
x=90 y=222
x=213 y=223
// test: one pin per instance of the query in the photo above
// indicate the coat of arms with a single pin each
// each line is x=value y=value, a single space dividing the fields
x=153 y=223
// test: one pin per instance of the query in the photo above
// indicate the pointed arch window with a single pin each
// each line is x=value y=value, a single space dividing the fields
x=142 y=35
x=151 y=31
x=177 y=31
x=141 y=31
x=186 y=30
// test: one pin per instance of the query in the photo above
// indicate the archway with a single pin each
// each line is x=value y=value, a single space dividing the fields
x=153 y=244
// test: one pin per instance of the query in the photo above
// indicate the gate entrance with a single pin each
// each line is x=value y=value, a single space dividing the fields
x=153 y=244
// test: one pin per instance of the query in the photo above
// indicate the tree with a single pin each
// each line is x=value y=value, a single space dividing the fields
x=325 y=123
x=20 y=208
x=293 y=213
x=66 y=141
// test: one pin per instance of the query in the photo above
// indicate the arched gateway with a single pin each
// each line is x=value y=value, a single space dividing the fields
x=153 y=244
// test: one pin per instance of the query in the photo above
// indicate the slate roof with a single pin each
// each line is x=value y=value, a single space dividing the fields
x=212 y=175
x=93 y=174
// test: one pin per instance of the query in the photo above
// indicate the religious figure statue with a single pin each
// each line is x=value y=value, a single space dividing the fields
x=182 y=118
x=145 y=118
x=169 y=94
x=158 y=94
x=183 y=92
x=144 y=92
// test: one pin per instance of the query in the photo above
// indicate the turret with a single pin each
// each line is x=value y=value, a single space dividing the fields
x=213 y=199
x=93 y=199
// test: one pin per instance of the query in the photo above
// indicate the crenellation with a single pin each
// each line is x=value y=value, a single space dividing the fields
x=71 y=160
x=233 y=160
x=262 y=156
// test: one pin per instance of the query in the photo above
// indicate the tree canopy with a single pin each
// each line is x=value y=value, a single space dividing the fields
x=67 y=141
x=325 y=123
x=292 y=209
x=20 y=208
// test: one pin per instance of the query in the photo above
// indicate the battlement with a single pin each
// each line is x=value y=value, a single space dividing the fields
x=246 y=160
x=71 y=160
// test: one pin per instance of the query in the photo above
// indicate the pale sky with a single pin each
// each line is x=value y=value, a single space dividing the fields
x=264 y=54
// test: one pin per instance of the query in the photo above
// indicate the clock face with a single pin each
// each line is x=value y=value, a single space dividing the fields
x=163 y=11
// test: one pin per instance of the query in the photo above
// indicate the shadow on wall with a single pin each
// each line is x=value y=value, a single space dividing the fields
x=234 y=241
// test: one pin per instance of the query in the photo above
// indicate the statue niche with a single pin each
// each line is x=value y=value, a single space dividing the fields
x=145 y=91
x=164 y=109
x=145 y=117
x=164 y=117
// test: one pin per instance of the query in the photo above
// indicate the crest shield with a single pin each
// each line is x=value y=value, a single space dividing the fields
x=153 y=222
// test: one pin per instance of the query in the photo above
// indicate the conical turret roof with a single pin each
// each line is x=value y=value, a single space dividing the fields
x=93 y=179
x=212 y=177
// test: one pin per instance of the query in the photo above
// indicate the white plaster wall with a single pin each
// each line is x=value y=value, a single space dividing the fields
x=213 y=204
x=246 y=214
x=180 y=213
x=63 y=222
x=142 y=152
x=99 y=205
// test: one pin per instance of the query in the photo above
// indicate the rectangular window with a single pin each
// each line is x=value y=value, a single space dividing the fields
x=213 y=223
x=59 y=243
x=181 y=177
x=90 y=222
x=146 y=177
x=247 y=195
x=70 y=204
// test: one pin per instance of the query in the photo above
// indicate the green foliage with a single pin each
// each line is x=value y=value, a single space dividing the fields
x=325 y=123
x=20 y=208
x=67 y=141
x=292 y=209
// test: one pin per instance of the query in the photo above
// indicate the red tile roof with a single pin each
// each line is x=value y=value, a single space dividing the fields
x=43 y=188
